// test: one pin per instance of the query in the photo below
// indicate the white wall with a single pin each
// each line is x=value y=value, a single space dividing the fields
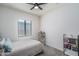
x=8 y=22
x=64 y=20
x=55 y=23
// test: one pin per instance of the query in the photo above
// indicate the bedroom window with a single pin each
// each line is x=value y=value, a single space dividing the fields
x=24 y=27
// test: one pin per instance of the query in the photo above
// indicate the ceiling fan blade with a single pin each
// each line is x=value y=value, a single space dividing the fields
x=30 y=3
x=39 y=7
x=42 y=3
x=32 y=7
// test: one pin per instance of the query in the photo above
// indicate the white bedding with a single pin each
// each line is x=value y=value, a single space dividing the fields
x=26 y=48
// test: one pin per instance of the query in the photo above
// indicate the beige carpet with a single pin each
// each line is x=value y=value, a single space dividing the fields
x=49 y=51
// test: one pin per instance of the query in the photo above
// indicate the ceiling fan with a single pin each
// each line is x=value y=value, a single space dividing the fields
x=36 y=5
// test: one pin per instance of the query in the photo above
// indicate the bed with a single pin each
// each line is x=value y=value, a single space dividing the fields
x=27 y=47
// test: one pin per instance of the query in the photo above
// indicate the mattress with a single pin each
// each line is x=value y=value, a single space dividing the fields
x=27 y=47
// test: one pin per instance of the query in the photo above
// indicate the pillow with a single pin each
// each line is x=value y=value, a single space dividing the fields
x=7 y=45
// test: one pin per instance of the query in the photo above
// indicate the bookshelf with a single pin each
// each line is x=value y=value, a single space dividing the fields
x=70 y=45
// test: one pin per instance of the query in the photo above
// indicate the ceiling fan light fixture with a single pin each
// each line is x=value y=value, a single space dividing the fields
x=36 y=7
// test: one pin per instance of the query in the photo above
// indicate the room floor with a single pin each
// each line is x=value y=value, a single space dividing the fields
x=49 y=51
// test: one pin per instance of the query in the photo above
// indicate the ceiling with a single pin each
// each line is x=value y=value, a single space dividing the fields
x=26 y=7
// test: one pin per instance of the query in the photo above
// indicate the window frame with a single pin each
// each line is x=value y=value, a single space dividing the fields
x=25 y=30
